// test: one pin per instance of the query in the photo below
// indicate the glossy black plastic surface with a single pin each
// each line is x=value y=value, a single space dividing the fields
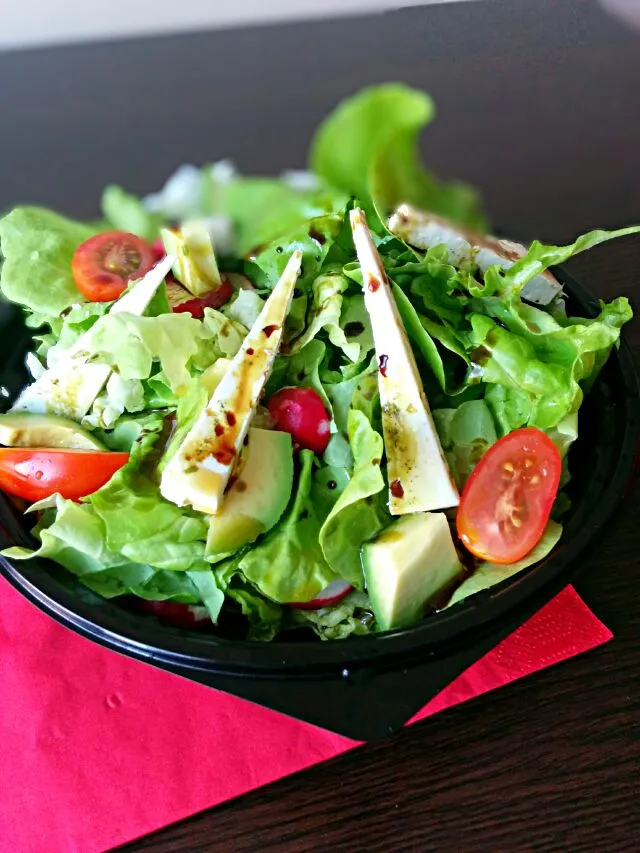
x=363 y=687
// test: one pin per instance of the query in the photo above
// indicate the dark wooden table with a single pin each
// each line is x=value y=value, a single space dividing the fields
x=539 y=107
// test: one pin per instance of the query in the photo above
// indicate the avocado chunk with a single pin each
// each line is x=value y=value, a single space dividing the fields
x=26 y=429
x=407 y=566
x=258 y=496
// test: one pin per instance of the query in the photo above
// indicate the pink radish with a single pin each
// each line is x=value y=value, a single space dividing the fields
x=330 y=595
x=182 y=615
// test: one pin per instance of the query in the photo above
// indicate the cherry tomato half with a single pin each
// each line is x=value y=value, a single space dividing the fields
x=301 y=412
x=181 y=300
x=507 y=500
x=104 y=265
x=34 y=473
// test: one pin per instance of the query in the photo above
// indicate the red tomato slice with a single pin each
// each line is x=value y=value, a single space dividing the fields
x=35 y=473
x=507 y=500
x=181 y=300
x=103 y=266
x=301 y=412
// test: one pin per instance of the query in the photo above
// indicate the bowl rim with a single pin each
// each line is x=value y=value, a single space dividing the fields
x=148 y=639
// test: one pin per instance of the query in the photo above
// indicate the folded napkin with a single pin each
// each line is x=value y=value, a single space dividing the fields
x=99 y=749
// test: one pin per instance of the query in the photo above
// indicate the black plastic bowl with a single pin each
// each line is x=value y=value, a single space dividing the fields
x=363 y=687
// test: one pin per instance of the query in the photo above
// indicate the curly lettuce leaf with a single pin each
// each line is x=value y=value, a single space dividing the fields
x=38 y=246
x=288 y=565
x=539 y=257
x=356 y=515
x=368 y=147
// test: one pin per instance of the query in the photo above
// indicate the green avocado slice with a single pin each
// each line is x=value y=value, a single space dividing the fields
x=26 y=429
x=407 y=566
x=258 y=497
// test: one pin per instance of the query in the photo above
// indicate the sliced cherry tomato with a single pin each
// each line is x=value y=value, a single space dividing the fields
x=182 y=615
x=301 y=412
x=103 y=266
x=182 y=301
x=34 y=473
x=507 y=500
x=158 y=249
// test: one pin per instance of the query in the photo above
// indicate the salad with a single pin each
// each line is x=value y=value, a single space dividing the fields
x=326 y=400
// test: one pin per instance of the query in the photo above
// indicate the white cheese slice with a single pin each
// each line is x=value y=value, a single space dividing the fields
x=199 y=471
x=426 y=230
x=419 y=478
x=70 y=386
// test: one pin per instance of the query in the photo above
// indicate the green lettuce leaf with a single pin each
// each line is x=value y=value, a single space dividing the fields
x=288 y=565
x=359 y=391
x=38 y=246
x=226 y=334
x=264 y=616
x=368 y=147
x=490 y=574
x=540 y=257
x=355 y=517
x=313 y=239
x=126 y=212
x=466 y=433
x=140 y=524
x=245 y=308
x=264 y=209
x=119 y=396
x=351 y=617
x=131 y=345
x=66 y=330
x=77 y=540
x=300 y=370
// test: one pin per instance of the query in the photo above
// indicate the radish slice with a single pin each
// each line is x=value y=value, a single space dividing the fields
x=331 y=594
x=182 y=615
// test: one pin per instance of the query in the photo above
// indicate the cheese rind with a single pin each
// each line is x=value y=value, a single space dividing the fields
x=426 y=230
x=419 y=478
x=70 y=386
x=199 y=471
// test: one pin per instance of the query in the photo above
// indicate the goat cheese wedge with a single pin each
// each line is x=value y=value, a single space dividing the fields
x=70 y=386
x=199 y=471
x=425 y=230
x=419 y=478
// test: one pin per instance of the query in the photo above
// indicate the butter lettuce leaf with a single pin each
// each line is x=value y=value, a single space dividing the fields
x=288 y=564
x=351 y=617
x=356 y=515
x=37 y=246
x=126 y=212
x=368 y=147
x=489 y=574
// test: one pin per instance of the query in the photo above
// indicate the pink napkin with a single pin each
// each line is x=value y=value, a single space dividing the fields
x=99 y=749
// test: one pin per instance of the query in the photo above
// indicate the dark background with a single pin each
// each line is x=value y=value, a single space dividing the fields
x=539 y=106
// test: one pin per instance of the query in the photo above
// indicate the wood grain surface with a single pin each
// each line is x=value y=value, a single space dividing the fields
x=539 y=107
